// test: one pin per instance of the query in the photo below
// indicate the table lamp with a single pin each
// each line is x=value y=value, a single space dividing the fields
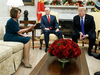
x=15 y=3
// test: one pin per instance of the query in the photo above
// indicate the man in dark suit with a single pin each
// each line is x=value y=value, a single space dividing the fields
x=49 y=25
x=84 y=27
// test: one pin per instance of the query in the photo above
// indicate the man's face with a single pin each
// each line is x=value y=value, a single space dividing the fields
x=81 y=12
x=47 y=11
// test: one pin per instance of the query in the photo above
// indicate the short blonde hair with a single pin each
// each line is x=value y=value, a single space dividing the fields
x=82 y=8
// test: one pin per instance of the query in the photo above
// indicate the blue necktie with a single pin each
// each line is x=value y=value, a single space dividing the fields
x=82 y=26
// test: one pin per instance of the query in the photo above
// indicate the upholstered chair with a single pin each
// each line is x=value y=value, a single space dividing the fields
x=1 y=32
x=51 y=35
x=96 y=16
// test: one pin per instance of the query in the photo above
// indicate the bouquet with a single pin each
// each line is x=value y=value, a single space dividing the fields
x=64 y=48
x=91 y=3
x=69 y=2
x=46 y=3
x=55 y=2
x=80 y=3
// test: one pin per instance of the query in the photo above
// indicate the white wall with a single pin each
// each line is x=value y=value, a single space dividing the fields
x=5 y=14
x=4 y=11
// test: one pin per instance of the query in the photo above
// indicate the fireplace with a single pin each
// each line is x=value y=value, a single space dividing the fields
x=66 y=14
x=66 y=28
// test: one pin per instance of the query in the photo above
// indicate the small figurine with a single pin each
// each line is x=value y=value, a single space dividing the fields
x=26 y=16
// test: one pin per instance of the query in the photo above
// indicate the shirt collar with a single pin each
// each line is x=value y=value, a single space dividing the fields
x=83 y=17
x=47 y=16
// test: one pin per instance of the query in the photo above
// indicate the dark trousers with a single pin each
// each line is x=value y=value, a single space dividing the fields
x=91 y=38
x=47 y=32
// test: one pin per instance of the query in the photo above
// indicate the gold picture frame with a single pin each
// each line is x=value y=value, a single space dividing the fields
x=28 y=2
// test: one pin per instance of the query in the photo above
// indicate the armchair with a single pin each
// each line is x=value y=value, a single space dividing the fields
x=96 y=16
x=51 y=36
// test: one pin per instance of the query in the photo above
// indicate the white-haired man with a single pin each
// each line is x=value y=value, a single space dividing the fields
x=49 y=25
x=84 y=27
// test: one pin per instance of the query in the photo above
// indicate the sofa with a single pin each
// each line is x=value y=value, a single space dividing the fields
x=11 y=54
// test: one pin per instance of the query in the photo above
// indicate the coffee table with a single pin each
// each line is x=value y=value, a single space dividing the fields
x=51 y=66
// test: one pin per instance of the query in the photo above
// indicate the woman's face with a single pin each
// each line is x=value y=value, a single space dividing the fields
x=18 y=14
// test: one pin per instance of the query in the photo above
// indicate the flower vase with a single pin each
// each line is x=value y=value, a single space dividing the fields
x=63 y=61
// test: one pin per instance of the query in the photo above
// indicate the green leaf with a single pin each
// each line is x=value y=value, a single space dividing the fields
x=75 y=58
x=49 y=55
x=63 y=64
x=59 y=44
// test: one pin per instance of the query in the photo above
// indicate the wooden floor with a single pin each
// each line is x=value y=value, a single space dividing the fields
x=36 y=55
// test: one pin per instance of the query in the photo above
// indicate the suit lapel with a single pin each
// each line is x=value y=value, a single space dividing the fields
x=85 y=19
x=79 y=21
x=46 y=19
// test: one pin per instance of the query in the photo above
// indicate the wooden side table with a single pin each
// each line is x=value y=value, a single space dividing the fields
x=23 y=27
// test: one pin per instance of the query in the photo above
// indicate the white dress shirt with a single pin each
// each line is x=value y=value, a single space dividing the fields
x=83 y=22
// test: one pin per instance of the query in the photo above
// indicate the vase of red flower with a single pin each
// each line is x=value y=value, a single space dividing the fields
x=64 y=49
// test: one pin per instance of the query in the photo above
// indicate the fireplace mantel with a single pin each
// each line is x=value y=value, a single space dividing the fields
x=67 y=12
x=63 y=6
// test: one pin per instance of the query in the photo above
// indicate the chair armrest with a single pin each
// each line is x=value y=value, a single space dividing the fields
x=98 y=34
x=59 y=27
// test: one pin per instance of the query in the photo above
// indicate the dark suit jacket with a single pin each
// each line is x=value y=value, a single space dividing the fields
x=45 y=22
x=89 y=24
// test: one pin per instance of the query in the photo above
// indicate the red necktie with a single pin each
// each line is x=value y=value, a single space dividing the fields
x=48 y=18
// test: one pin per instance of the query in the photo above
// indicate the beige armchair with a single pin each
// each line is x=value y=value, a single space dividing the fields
x=96 y=16
x=51 y=36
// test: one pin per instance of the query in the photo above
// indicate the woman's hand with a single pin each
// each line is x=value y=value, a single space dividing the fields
x=32 y=26
x=25 y=35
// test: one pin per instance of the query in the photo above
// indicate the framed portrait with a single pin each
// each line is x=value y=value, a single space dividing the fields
x=28 y=2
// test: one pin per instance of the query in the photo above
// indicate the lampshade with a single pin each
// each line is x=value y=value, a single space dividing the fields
x=15 y=3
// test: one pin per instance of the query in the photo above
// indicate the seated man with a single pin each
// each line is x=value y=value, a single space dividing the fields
x=49 y=25
x=84 y=27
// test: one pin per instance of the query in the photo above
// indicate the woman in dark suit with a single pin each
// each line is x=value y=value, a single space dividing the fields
x=14 y=33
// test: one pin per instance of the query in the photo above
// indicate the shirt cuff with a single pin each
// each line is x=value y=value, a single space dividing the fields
x=87 y=35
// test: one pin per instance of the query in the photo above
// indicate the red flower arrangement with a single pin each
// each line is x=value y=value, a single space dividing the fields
x=64 y=48
x=71 y=2
x=55 y=2
x=91 y=3
x=80 y=3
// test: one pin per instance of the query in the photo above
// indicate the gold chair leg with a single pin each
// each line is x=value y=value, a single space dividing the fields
x=82 y=43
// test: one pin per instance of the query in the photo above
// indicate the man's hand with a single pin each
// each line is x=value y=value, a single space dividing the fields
x=81 y=34
x=85 y=36
x=47 y=29
x=57 y=30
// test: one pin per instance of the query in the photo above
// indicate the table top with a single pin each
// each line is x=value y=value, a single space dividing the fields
x=51 y=66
